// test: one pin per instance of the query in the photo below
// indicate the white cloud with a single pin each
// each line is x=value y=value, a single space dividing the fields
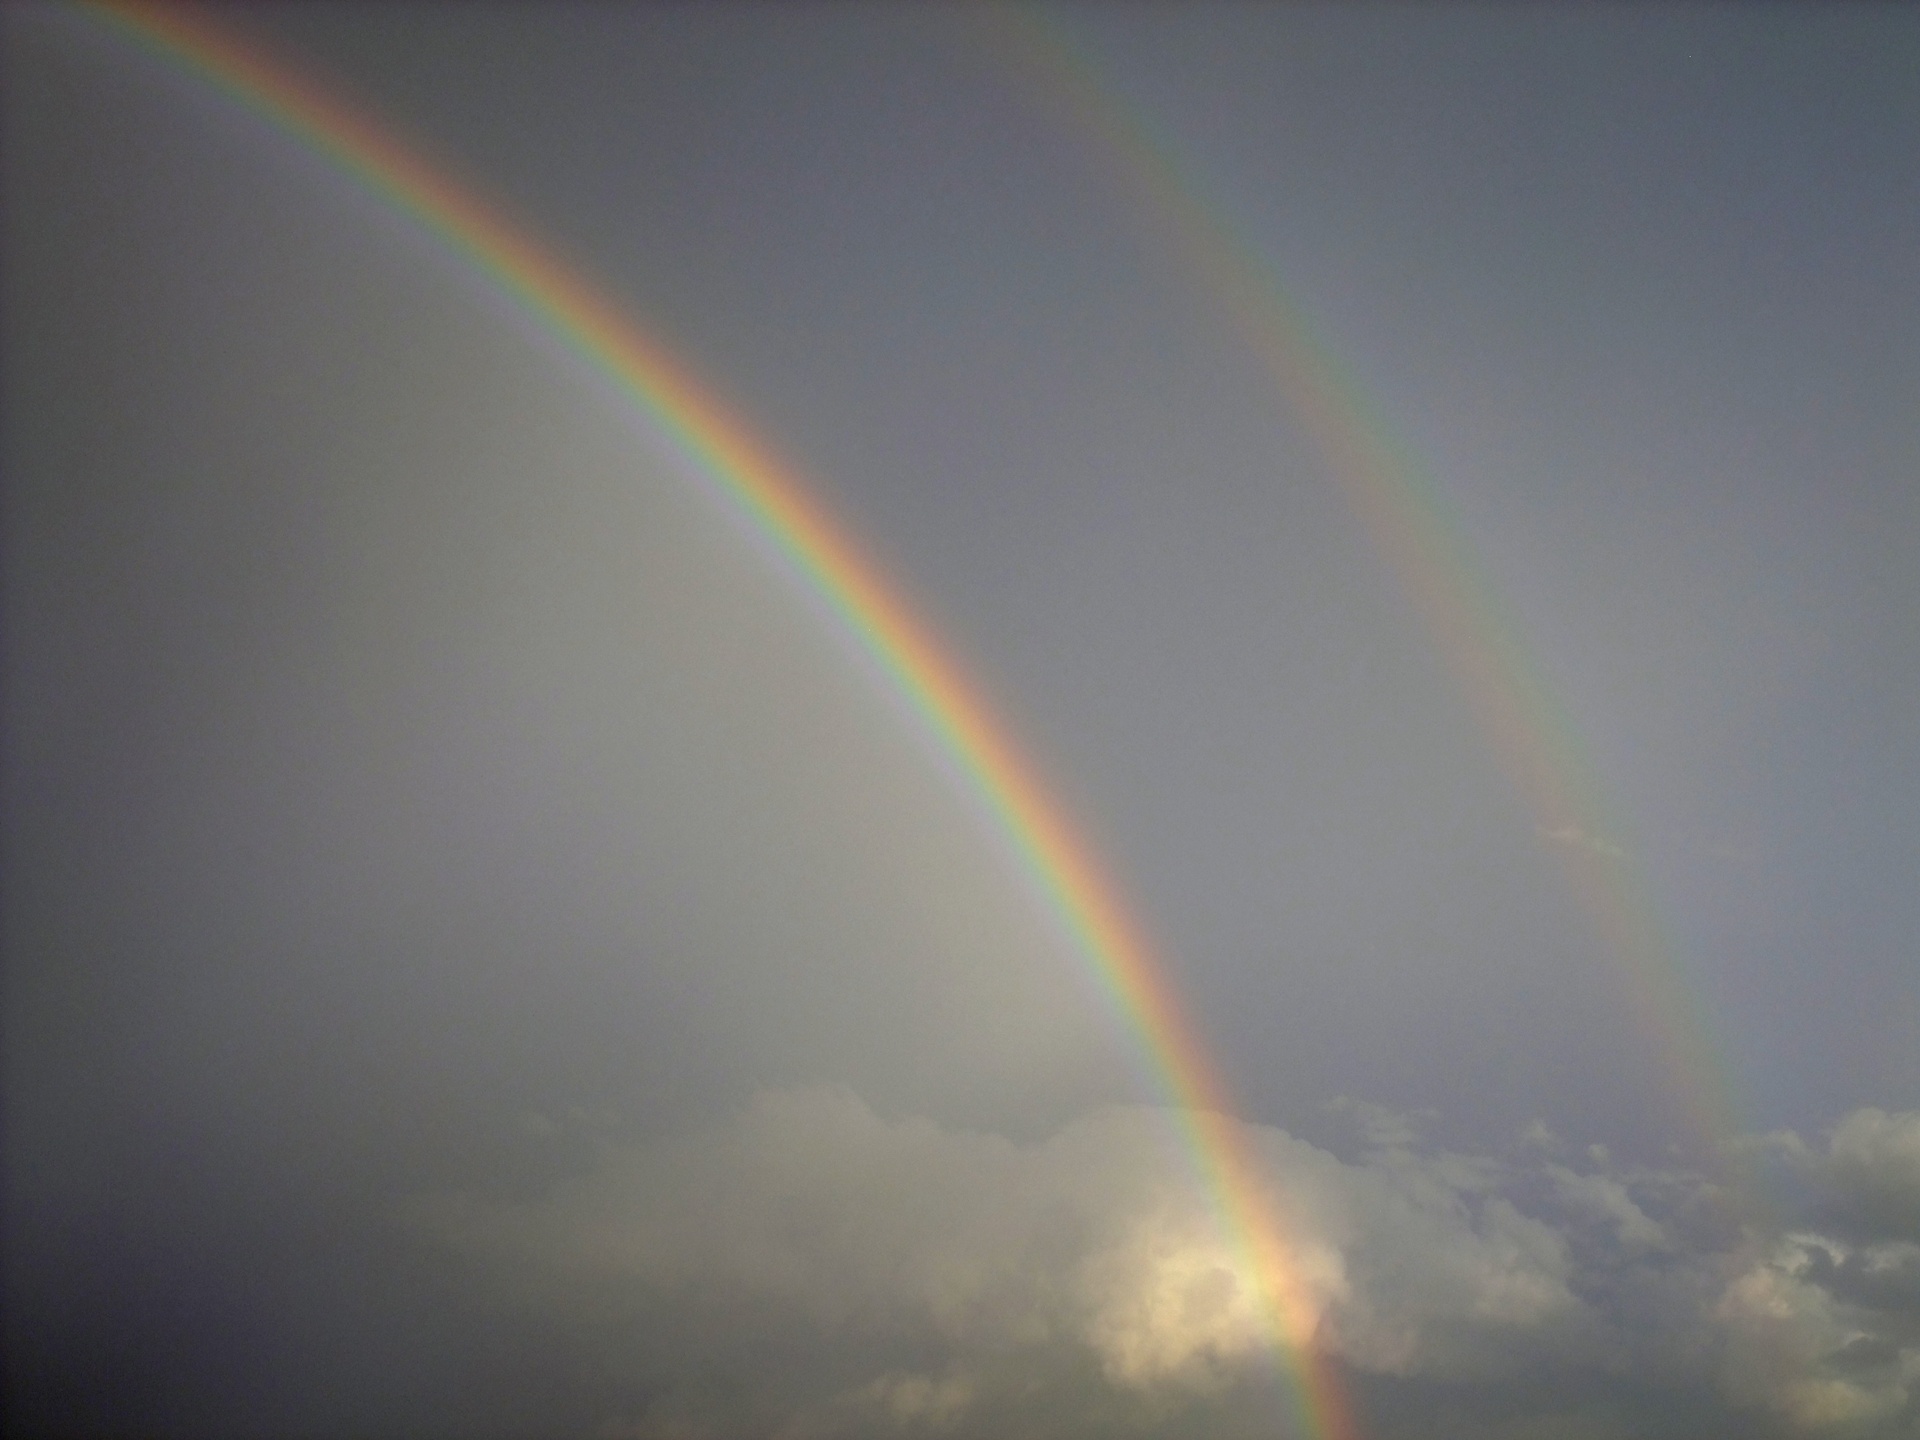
x=814 y=1206
x=812 y=1268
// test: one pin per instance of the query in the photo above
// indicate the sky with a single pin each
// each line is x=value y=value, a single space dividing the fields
x=487 y=952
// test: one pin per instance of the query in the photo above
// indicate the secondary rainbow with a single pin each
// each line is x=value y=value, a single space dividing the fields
x=1407 y=519
x=1058 y=863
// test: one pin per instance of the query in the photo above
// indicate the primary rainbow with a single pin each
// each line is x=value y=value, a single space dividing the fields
x=1058 y=863
x=1407 y=519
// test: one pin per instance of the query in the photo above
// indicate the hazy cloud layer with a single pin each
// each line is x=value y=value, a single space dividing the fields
x=811 y=1267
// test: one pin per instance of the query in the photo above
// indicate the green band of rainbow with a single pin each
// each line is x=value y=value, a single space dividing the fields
x=1058 y=863
x=1532 y=738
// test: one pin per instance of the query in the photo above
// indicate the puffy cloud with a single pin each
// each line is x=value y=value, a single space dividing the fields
x=812 y=1207
x=1873 y=1168
x=809 y=1267
x=1823 y=1327
x=1797 y=1346
x=1607 y=1200
x=1381 y=1127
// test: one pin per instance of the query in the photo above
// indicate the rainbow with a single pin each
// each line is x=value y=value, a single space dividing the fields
x=1057 y=862
x=1407 y=519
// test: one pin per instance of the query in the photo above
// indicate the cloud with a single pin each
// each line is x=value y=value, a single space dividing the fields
x=1872 y=1167
x=811 y=1208
x=1380 y=1127
x=1798 y=1346
x=809 y=1267
x=1607 y=1200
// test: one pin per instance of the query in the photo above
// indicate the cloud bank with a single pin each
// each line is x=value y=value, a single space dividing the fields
x=812 y=1268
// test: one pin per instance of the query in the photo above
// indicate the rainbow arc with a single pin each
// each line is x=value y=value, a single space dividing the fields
x=746 y=476
x=1531 y=737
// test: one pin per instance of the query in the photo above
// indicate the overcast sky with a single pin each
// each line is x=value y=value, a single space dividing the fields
x=483 y=954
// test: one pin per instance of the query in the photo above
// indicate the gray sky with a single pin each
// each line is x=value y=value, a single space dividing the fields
x=483 y=955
